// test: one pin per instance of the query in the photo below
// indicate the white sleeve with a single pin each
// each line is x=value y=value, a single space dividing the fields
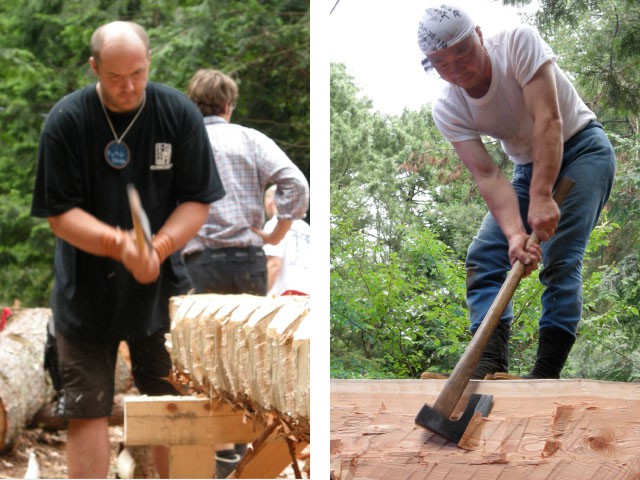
x=528 y=52
x=453 y=119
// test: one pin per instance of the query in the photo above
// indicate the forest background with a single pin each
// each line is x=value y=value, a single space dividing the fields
x=404 y=209
x=44 y=50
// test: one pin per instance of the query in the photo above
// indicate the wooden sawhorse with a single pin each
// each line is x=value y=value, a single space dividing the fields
x=191 y=426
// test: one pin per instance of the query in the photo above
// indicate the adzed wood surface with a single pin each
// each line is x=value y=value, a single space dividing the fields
x=537 y=430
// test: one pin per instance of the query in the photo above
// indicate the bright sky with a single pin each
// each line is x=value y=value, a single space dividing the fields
x=376 y=40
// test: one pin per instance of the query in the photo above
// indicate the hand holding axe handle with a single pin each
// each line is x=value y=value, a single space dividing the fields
x=459 y=378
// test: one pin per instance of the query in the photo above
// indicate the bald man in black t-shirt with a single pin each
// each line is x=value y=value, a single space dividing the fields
x=95 y=141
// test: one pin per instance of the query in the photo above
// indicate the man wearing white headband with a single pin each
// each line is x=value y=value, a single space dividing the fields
x=509 y=87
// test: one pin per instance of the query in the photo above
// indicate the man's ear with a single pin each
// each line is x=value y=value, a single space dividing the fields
x=94 y=65
x=479 y=33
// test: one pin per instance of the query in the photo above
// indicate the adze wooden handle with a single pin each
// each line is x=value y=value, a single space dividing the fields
x=459 y=378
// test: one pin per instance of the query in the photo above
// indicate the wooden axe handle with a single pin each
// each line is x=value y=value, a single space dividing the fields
x=140 y=221
x=459 y=378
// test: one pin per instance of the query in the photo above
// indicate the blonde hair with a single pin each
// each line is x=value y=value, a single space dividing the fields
x=212 y=91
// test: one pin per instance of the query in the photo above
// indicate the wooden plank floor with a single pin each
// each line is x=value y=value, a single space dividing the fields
x=537 y=430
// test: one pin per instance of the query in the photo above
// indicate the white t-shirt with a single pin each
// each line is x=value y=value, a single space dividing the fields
x=516 y=55
x=295 y=252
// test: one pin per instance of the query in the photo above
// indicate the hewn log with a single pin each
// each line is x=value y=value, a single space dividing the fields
x=538 y=429
x=244 y=348
x=24 y=384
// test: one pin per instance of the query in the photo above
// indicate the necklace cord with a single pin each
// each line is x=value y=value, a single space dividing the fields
x=113 y=130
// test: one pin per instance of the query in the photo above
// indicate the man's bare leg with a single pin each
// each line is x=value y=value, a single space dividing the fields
x=88 y=447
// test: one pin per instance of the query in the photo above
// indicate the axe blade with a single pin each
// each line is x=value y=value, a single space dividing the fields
x=453 y=430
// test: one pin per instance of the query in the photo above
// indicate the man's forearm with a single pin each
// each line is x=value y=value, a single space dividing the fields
x=502 y=202
x=85 y=232
x=547 y=157
x=183 y=224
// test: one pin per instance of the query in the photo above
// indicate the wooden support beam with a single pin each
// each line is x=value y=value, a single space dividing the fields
x=169 y=420
x=538 y=429
x=269 y=455
x=192 y=461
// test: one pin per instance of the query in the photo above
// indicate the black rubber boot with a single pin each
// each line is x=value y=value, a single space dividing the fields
x=226 y=462
x=495 y=357
x=554 y=345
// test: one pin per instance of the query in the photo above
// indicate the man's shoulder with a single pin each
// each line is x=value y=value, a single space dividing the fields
x=163 y=89
x=75 y=98
x=73 y=107
x=174 y=107
x=254 y=136
x=511 y=35
x=166 y=94
x=246 y=130
x=450 y=97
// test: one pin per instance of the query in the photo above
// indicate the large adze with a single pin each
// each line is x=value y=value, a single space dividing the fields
x=437 y=418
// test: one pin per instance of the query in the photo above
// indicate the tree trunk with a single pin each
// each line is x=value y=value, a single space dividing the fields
x=537 y=430
x=24 y=384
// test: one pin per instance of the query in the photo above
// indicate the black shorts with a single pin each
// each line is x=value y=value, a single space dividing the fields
x=87 y=373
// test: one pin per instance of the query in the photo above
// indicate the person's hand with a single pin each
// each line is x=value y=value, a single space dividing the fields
x=267 y=237
x=544 y=215
x=145 y=265
x=278 y=233
x=529 y=256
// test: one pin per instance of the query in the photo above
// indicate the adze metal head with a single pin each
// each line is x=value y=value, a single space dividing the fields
x=453 y=430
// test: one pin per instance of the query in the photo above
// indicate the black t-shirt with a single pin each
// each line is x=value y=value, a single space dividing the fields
x=96 y=298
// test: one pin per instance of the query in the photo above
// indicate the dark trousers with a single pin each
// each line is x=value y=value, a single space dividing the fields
x=232 y=270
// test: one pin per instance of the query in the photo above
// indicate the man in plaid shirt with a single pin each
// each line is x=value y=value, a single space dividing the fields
x=226 y=256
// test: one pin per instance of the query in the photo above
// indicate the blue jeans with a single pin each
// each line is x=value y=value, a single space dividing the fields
x=590 y=161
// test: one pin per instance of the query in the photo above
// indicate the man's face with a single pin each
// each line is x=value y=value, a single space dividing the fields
x=122 y=71
x=462 y=64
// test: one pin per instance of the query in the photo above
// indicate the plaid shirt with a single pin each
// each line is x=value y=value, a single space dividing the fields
x=247 y=161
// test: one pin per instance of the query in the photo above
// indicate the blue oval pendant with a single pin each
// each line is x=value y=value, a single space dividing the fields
x=117 y=154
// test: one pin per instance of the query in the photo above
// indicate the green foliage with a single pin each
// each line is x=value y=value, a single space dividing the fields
x=396 y=289
x=263 y=45
x=44 y=51
x=599 y=44
x=394 y=313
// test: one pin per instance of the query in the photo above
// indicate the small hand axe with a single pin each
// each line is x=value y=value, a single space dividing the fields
x=436 y=418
